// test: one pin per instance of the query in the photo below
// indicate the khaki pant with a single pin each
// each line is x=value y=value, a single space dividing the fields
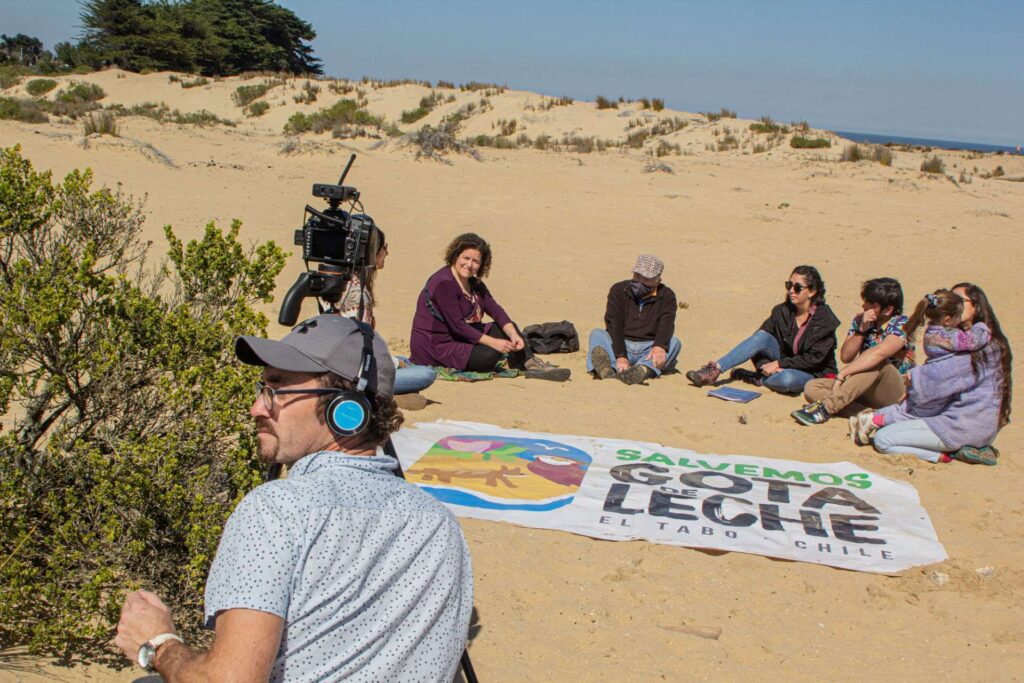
x=871 y=389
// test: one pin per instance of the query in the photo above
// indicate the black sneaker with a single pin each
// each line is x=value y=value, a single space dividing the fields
x=602 y=363
x=748 y=376
x=811 y=414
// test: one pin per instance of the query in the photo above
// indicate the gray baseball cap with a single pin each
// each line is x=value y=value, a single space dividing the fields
x=326 y=343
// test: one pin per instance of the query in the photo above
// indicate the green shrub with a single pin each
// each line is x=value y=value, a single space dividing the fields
x=801 y=142
x=40 y=86
x=194 y=83
x=604 y=103
x=202 y=117
x=246 y=94
x=933 y=165
x=657 y=104
x=101 y=123
x=26 y=111
x=448 y=85
x=722 y=113
x=414 y=115
x=767 y=125
x=127 y=439
x=340 y=113
x=79 y=93
x=258 y=108
x=645 y=103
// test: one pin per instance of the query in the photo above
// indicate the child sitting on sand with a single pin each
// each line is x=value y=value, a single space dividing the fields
x=942 y=310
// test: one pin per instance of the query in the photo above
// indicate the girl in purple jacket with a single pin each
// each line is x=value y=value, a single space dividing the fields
x=956 y=402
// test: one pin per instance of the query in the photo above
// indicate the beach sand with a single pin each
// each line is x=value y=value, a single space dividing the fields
x=564 y=226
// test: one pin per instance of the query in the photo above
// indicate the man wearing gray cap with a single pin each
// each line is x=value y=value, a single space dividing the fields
x=640 y=318
x=340 y=571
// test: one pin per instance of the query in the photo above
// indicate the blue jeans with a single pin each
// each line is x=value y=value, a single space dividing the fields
x=762 y=345
x=413 y=378
x=914 y=437
x=636 y=351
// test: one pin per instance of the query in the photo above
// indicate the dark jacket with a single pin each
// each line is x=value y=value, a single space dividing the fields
x=625 y=319
x=448 y=341
x=817 y=352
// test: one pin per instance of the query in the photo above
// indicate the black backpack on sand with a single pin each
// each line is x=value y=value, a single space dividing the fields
x=552 y=337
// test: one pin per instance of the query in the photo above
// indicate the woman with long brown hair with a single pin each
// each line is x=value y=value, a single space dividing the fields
x=968 y=395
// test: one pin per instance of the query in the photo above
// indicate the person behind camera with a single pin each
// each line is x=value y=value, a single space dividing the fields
x=639 y=321
x=448 y=329
x=340 y=571
x=409 y=379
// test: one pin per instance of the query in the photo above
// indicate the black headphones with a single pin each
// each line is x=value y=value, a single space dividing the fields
x=348 y=413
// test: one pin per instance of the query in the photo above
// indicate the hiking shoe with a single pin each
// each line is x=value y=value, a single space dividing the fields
x=974 y=455
x=708 y=374
x=748 y=376
x=539 y=369
x=602 y=363
x=811 y=414
x=635 y=374
x=863 y=427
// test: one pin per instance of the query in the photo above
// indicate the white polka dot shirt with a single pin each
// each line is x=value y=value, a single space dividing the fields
x=371 y=575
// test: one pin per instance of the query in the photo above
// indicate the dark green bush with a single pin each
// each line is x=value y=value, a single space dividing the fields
x=79 y=93
x=40 y=86
x=340 y=113
x=246 y=94
x=801 y=142
x=127 y=439
x=258 y=108
x=414 y=115
x=22 y=110
x=657 y=104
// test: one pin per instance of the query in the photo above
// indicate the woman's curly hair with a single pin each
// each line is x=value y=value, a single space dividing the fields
x=469 y=240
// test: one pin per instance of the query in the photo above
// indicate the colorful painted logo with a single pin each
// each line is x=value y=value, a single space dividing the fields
x=501 y=472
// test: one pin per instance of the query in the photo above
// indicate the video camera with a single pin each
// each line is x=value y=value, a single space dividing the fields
x=342 y=242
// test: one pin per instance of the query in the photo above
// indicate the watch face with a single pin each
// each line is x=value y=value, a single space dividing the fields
x=146 y=655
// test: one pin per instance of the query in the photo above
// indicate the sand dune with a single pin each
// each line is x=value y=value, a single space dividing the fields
x=729 y=225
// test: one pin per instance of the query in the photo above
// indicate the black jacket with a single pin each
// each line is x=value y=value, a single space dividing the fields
x=625 y=319
x=817 y=352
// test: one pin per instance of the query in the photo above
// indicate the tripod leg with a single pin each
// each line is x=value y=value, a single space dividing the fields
x=467 y=668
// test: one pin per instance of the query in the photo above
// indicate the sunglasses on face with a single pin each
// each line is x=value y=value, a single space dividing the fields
x=795 y=286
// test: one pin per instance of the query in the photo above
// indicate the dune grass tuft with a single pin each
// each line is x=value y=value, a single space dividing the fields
x=801 y=142
x=933 y=165
x=25 y=111
x=603 y=102
x=879 y=153
x=100 y=123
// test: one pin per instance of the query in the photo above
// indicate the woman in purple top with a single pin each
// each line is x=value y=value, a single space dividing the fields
x=449 y=329
x=968 y=395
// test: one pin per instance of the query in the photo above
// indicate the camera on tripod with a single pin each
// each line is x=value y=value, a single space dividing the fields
x=342 y=242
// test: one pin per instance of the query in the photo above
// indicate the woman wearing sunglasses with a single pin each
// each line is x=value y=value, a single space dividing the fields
x=794 y=345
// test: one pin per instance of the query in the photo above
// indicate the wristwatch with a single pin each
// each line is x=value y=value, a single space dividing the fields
x=147 y=651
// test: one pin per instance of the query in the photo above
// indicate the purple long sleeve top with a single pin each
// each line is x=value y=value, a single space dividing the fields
x=449 y=342
x=962 y=409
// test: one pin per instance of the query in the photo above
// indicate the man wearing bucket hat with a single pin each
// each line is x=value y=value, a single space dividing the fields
x=342 y=570
x=640 y=318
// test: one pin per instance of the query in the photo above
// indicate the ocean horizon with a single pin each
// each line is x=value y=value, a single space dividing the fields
x=877 y=139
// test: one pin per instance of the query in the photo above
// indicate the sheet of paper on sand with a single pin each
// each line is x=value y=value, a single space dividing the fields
x=835 y=514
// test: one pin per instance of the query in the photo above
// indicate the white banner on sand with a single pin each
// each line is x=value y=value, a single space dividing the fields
x=835 y=514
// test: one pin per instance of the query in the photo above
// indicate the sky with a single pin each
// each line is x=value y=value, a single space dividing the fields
x=937 y=69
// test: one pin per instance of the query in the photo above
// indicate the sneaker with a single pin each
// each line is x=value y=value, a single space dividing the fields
x=708 y=374
x=863 y=427
x=748 y=376
x=811 y=414
x=974 y=455
x=602 y=363
x=635 y=375
x=539 y=369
